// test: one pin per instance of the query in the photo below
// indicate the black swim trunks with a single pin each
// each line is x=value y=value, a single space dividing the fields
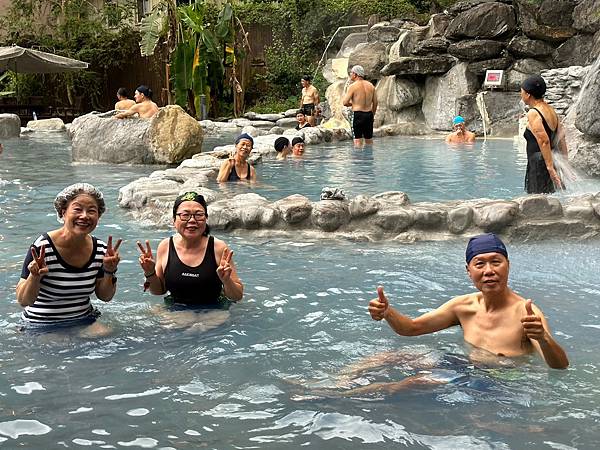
x=362 y=124
x=308 y=109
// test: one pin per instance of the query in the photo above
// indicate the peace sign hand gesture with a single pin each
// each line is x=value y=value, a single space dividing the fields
x=111 y=258
x=147 y=261
x=37 y=267
x=225 y=268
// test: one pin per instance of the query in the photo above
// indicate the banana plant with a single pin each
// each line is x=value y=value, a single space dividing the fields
x=199 y=48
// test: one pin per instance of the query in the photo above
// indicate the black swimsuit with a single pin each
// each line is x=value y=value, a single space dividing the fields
x=537 y=178
x=233 y=175
x=198 y=285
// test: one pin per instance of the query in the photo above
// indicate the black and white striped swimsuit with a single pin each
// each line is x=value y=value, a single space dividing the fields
x=65 y=290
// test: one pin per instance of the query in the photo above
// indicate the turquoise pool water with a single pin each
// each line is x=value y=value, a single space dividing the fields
x=425 y=169
x=267 y=377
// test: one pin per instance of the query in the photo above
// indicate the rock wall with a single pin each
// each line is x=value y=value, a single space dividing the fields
x=521 y=37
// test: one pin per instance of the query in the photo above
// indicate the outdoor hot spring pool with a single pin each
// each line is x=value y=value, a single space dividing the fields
x=267 y=377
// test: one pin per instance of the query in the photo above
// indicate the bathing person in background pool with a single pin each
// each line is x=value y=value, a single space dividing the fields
x=297 y=146
x=495 y=319
x=65 y=266
x=460 y=135
x=145 y=108
x=309 y=100
x=194 y=267
x=282 y=147
x=361 y=96
x=543 y=133
x=301 y=118
x=237 y=167
x=124 y=102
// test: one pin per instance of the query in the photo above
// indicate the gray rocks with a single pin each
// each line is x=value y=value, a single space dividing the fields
x=169 y=137
x=523 y=47
x=419 y=65
x=441 y=94
x=487 y=21
x=10 y=125
x=586 y=17
x=54 y=124
x=460 y=219
x=576 y=51
x=432 y=45
x=329 y=215
x=294 y=209
x=371 y=56
x=549 y=20
x=383 y=33
x=588 y=112
x=474 y=50
x=495 y=215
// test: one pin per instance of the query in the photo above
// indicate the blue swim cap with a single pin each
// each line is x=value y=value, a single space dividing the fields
x=244 y=136
x=485 y=243
x=457 y=120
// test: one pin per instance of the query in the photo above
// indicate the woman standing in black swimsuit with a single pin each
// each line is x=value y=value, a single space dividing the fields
x=238 y=168
x=192 y=265
x=543 y=126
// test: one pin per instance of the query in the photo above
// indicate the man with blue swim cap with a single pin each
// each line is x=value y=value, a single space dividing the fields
x=495 y=318
x=460 y=135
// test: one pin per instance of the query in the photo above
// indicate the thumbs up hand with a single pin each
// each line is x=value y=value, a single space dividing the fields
x=378 y=306
x=532 y=324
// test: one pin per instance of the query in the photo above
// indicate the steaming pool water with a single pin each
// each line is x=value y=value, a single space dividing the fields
x=269 y=376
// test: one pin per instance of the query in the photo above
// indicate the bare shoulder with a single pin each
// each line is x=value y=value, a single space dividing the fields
x=466 y=301
x=219 y=244
x=163 y=245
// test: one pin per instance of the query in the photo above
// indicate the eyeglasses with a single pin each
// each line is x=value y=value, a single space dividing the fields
x=186 y=217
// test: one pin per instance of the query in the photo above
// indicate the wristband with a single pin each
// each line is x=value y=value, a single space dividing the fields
x=150 y=274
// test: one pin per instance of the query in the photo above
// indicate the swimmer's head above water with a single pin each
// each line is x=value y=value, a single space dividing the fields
x=485 y=243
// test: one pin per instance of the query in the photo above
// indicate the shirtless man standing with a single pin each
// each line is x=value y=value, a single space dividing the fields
x=495 y=319
x=309 y=100
x=361 y=97
x=145 y=108
x=460 y=135
x=124 y=102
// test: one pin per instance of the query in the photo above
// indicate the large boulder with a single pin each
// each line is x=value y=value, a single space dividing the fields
x=436 y=44
x=588 y=107
x=437 y=25
x=350 y=43
x=168 y=138
x=586 y=16
x=10 y=125
x=521 y=70
x=501 y=109
x=479 y=67
x=476 y=50
x=548 y=20
x=576 y=51
x=395 y=96
x=523 y=47
x=441 y=92
x=419 y=65
x=382 y=32
x=54 y=124
x=490 y=20
x=372 y=56
x=407 y=42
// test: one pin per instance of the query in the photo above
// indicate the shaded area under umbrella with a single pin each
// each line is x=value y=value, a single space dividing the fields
x=27 y=60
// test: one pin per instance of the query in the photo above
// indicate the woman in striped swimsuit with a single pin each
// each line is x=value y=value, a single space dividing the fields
x=64 y=267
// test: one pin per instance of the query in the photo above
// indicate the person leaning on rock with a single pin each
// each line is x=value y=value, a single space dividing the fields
x=145 y=108
x=460 y=135
x=495 y=318
x=362 y=98
x=124 y=102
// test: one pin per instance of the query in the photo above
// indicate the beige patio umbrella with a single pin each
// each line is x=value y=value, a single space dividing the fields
x=27 y=60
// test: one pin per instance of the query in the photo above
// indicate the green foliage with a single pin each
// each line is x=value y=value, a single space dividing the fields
x=76 y=29
x=269 y=104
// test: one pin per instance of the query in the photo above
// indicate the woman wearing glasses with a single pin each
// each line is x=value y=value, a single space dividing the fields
x=194 y=267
